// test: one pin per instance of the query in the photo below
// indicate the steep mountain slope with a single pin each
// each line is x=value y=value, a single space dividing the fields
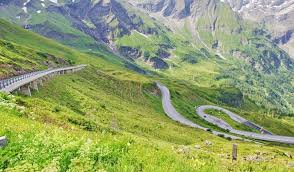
x=277 y=15
x=251 y=62
x=177 y=36
x=14 y=60
x=69 y=22
x=109 y=118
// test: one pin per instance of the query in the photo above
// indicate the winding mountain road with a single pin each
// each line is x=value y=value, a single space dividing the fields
x=171 y=112
x=267 y=136
x=174 y=115
x=224 y=125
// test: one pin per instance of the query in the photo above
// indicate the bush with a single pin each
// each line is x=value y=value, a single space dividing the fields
x=146 y=54
x=83 y=123
x=221 y=135
x=103 y=106
x=56 y=109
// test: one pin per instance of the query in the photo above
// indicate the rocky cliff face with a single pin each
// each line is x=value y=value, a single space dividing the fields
x=178 y=8
x=84 y=22
x=103 y=20
x=277 y=15
x=108 y=20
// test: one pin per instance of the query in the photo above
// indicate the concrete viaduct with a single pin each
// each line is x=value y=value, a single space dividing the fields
x=31 y=81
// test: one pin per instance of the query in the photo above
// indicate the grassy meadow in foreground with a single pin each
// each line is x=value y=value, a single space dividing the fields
x=68 y=127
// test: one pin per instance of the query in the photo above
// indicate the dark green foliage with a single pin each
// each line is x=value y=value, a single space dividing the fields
x=231 y=96
x=56 y=109
x=190 y=59
x=84 y=123
x=66 y=159
x=221 y=135
x=146 y=54
x=229 y=138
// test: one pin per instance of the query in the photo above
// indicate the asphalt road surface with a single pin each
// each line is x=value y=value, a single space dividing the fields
x=171 y=112
x=11 y=84
x=222 y=124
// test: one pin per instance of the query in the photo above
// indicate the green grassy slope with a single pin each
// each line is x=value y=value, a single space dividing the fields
x=224 y=51
x=16 y=59
x=234 y=124
x=185 y=97
x=29 y=39
x=108 y=118
x=215 y=49
x=56 y=25
x=53 y=25
x=49 y=146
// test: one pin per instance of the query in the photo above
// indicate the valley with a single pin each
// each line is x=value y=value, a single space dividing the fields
x=110 y=115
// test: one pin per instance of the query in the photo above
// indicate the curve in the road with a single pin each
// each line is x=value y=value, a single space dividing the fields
x=222 y=124
x=267 y=136
x=174 y=115
x=171 y=112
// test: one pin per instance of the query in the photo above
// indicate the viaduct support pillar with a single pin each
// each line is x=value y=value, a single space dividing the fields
x=40 y=82
x=34 y=85
x=26 y=90
x=44 y=79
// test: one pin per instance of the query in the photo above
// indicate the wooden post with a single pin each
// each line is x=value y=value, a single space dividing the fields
x=3 y=141
x=234 y=152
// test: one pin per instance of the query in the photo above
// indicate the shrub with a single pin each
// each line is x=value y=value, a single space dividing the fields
x=221 y=135
x=146 y=54
x=229 y=138
x=56 y=109
x=84 y=124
